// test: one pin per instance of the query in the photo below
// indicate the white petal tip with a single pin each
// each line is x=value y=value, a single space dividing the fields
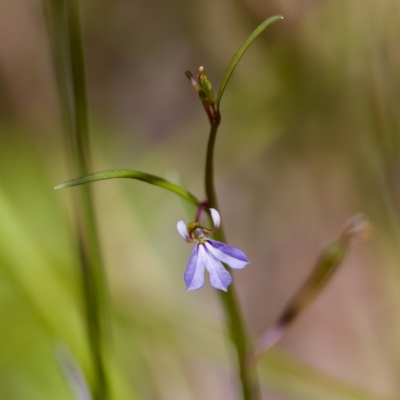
x=182 y=230
x=215 y=217
x=224 y=289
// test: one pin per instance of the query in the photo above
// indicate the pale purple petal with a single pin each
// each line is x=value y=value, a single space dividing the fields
x=220 y=278
x=215 y=217
x=232 y=256
x=194 y=274
x=182 y=230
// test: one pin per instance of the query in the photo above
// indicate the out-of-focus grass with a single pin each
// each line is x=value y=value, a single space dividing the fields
x=309 y=137
x=155 y=336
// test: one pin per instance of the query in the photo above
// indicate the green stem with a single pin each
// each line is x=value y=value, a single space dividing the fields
x=228 y=299
x=209 y=172
x=69 y=63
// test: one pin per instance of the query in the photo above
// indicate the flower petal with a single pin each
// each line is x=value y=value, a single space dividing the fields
x=182 y=230
x=215 y=217
x=220 y=278
x=194 y=274
x=232 y=256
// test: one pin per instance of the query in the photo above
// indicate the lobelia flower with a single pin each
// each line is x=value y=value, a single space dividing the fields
x=208 y=254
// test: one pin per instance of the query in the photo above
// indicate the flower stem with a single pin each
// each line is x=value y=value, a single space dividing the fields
x=228 y=299
x=202 y=206
x=209 y=172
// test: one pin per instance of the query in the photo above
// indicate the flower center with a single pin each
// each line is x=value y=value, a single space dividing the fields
x=199 y=234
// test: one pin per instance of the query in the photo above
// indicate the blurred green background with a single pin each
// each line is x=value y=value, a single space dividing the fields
x=309 y=137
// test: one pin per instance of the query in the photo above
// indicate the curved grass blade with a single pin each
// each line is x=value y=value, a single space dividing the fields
x=130 y=174
x=239 y=54
x=357 y=229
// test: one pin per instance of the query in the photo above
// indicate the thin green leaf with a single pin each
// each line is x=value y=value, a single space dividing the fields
x=239 y=54
x=140 y=176
x=69 y=64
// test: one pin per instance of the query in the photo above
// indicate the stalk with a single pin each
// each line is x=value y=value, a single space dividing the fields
x=236 y=326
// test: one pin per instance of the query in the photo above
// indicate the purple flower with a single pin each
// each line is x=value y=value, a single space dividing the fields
x=208 y=254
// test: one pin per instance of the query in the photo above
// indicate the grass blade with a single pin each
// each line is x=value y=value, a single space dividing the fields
x=130 y=174
x=357 y=229
x=239 y=54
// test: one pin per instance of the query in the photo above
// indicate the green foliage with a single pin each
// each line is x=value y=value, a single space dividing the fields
x=313 y=138
x=240 y=53
x=140 y=176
